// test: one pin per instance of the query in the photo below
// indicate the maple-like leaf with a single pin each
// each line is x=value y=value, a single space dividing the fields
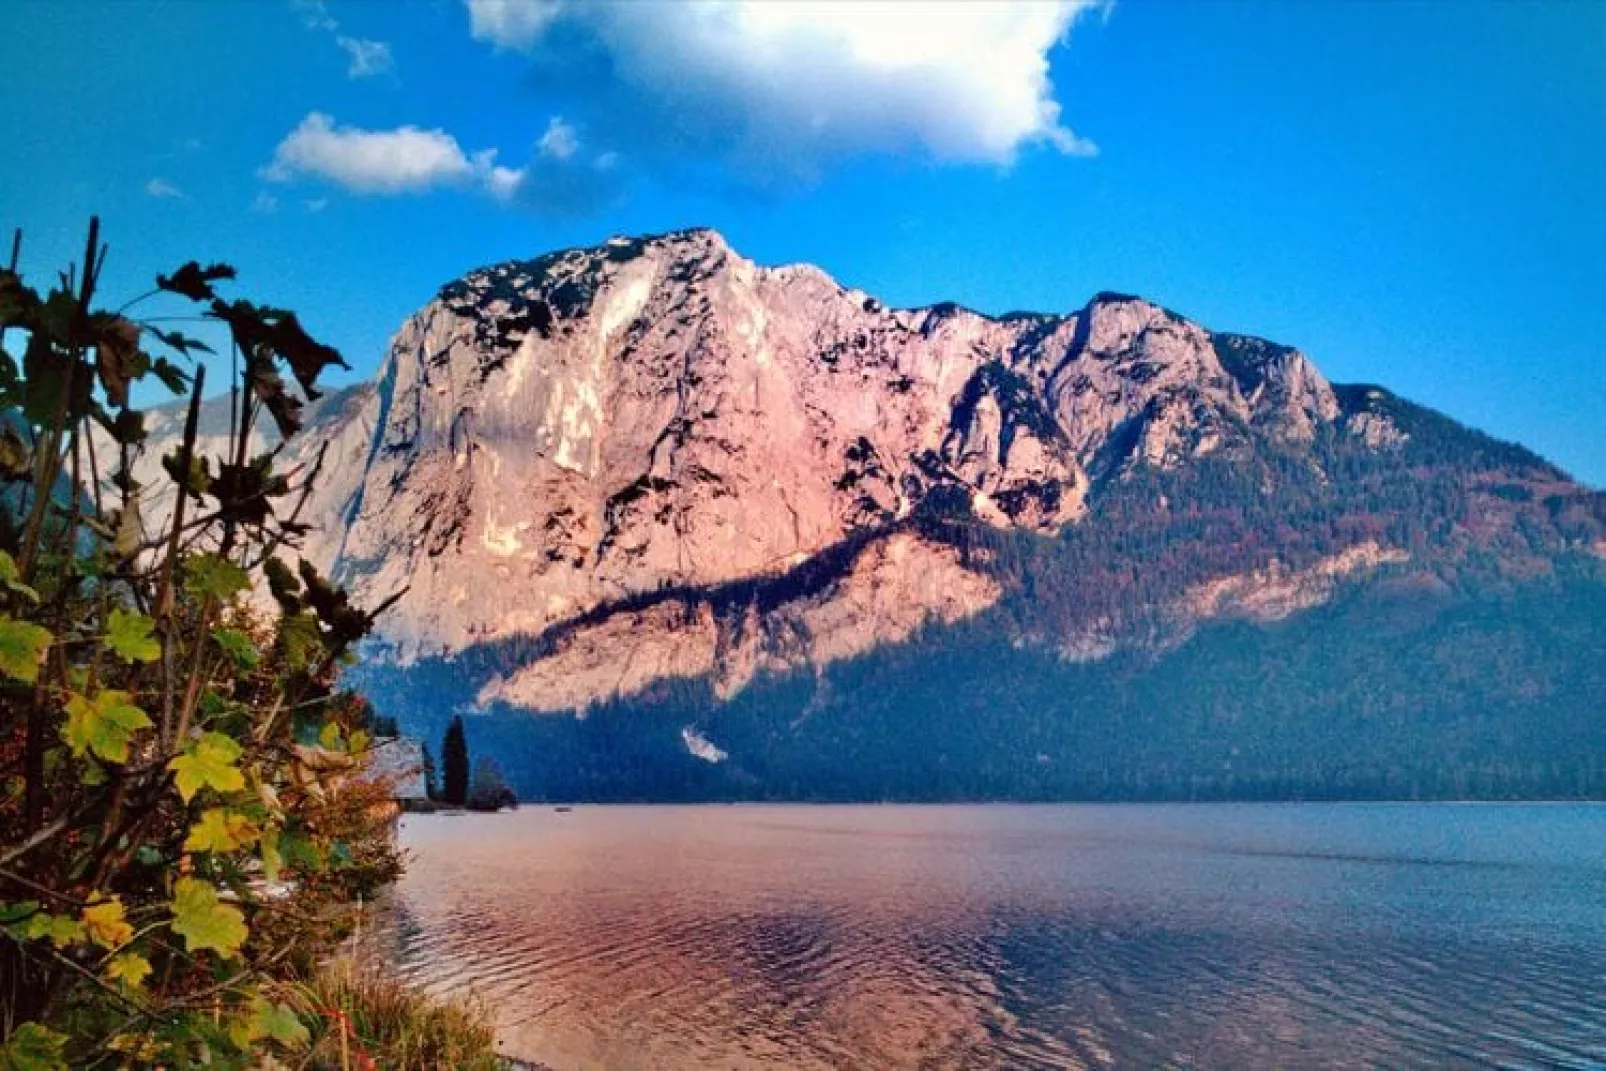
x=208 y=574
x=220 y=830
x=204 y=921
x=61 y=930
x=278 y=1022
x=105 y=924
x=102 y=725
x=33 y=1047
x=209 y=762
x=194 y=281
x=130 y=636
x=22 y=648
x=129 y=968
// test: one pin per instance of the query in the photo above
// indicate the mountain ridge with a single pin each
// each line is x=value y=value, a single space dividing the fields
x=651 y=463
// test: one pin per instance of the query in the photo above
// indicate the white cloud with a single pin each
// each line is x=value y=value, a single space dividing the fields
x=162 y=189
x=368 y=58
x=556 y=180
x=265 y=203
x=796 y=84
x=559 y=141
x=314 y=15
x=403 y=160
x=503 y=183
x=316 y=205
x=511 y=24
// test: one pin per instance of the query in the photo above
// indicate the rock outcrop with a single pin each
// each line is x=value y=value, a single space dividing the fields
x=629 y=455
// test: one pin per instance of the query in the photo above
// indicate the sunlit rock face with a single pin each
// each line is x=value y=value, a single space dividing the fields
x=600 y=450
x=550 y=436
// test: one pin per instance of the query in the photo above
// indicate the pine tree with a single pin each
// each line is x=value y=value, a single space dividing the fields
x=454 y=762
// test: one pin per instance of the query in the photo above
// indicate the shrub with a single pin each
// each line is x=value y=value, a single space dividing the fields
x=184 y=821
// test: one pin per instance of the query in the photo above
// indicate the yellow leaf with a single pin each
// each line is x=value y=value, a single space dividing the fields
x=208 y=762
x=142 y=1047
x=329 y=737
x=130 y=968
x=105 y=923
x=220 y=831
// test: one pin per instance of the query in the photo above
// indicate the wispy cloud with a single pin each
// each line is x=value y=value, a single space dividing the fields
x=265 y=203
x=314 y=15
x=559 y=141
x=162 y=189
x=367 y=58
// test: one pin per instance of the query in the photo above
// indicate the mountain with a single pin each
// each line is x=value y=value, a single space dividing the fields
x=679 y=526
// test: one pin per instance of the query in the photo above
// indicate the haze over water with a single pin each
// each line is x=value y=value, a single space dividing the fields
x=1222 y=936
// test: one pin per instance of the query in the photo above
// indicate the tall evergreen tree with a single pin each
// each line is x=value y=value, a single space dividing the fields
x=454 y=763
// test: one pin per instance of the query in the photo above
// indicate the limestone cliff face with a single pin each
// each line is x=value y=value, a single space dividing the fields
x=554 y=435
x=577 y=446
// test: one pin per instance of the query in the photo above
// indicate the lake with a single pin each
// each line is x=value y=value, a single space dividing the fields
x=1211 y=936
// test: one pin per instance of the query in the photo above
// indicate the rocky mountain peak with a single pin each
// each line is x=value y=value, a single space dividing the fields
x=653 y=458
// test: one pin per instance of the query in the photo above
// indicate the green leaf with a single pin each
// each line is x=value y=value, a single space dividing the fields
x=33 y=1047
x=11 y=579
x=220 y=830
x=278 y=1022
x=204 y=922
x=238 y=646
x=272 y=861
x=131 y=969
x=22 y=648
x=209 y=762
x=60 y=930
x=102 y=725
x=299 y=639
x=208 y=574
x=130 y=637
x=10 y=914
x=197 y=481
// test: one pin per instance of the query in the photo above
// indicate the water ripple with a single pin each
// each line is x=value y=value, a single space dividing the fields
x=1019 y=937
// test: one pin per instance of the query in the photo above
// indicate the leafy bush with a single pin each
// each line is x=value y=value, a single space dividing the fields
x=184 y=821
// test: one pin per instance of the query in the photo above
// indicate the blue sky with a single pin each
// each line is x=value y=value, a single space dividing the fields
x=1412 y=193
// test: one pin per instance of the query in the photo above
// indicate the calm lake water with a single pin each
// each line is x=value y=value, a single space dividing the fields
x=1226 y=936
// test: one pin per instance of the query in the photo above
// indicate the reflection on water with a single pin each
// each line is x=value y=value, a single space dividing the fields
x=1021 y=937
